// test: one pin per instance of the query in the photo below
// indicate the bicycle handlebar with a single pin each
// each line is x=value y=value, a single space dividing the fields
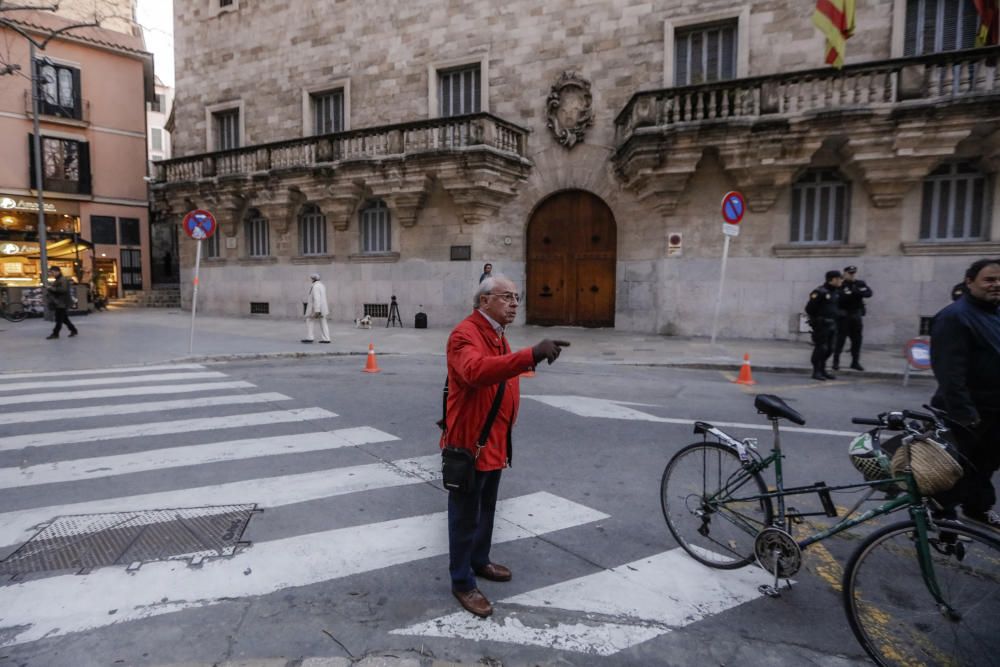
x=896 y=420
x=867 y=422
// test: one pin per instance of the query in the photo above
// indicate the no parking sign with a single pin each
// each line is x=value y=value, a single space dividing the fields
x=733 y=208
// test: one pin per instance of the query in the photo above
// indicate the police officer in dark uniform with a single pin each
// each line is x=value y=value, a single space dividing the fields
x=823 y=310
x=853 y=293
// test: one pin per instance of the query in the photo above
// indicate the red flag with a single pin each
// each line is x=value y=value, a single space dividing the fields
x=989 y=15
x=835 y=19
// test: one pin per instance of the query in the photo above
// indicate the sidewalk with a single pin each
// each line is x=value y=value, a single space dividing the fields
x=133 y=336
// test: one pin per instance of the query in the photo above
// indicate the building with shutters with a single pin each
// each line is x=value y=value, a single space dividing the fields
x=94 y=86
x=583 y=149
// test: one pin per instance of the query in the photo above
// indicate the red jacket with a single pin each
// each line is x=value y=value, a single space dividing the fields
x=478 y=360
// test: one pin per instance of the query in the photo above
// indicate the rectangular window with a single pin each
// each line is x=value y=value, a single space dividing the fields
x=212 y=247
x=819 y=209
x=227 y=129
x=328 y=112
x=933 y=26
x=954 y=204
x=103 y=230
x=459 y=91
x=159 y=103
x=128 y=229
x=376 y=233
x=312 y=232
x=705 y=53
x=65 y=165
x=156 y=136
x=258 y=237
x=58 y=90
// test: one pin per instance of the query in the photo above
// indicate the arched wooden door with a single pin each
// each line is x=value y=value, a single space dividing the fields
x=572 y=250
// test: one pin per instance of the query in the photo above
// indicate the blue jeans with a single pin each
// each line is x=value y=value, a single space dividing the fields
x=470 y=529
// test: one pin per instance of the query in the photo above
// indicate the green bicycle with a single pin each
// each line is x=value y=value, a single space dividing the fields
x=923 y=591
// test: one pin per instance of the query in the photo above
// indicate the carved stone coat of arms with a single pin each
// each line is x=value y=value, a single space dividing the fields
x=569 y=109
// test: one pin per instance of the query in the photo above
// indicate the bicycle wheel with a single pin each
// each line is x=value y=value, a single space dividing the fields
x=894 y=616
x=15 y=313
x=702 y=496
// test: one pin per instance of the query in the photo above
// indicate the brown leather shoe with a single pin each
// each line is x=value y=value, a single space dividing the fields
x=494 y=572
x=474 y=602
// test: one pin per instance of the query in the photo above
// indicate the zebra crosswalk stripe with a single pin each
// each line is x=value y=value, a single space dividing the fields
x=59 y=605
x=101 y=371
x=129 y=379
x=118 y=392
x=162 y=428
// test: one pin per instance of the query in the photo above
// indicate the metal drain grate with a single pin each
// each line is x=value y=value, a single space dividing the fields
x=86 y=541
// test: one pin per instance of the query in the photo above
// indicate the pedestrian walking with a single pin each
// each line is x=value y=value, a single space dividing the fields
x=853 y=293
x=965 y=358
x=59 y=298
x=317 y=309
x=823 y=310
x=487 y=272
x=483 y=395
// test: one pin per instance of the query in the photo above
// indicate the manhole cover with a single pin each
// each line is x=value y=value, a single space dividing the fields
x=86 y=541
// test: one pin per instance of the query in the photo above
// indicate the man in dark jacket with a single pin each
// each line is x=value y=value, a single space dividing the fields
x=59 y=301
x=965 y=357
x=479 y=361
x=853 y=293
x=823 y=310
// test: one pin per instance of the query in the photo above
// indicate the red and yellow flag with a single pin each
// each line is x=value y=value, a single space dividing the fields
x=835 y=19
x=989 y=16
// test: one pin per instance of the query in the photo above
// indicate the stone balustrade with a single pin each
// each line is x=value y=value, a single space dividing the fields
x=932 y=79
x=441 y=135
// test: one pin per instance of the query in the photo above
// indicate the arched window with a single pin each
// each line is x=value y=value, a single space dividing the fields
x=954 y=204
x=376 y=231
x=820 y=206
x=258 y=234
x=312 y=231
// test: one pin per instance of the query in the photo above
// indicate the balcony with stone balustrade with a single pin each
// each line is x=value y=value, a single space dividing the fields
x=892 y=120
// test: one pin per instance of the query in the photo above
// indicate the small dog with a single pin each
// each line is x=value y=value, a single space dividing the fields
x=363 y=322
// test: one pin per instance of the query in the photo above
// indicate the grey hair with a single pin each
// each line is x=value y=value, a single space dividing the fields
x=314 y=276
x=486 y=287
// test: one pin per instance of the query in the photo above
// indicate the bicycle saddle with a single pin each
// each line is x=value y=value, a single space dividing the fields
x=775 y=408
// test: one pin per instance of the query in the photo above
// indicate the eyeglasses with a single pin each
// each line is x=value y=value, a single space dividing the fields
x=509 y=297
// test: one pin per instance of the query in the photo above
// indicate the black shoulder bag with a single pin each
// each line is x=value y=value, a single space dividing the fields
x=458 y=464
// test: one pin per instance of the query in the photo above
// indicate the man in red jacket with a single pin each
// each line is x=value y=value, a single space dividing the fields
x=479 y=360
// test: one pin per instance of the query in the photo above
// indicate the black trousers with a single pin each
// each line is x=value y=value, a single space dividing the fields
x=849 y=327
x=981 y=449
x=824 y=337
x=62 y=318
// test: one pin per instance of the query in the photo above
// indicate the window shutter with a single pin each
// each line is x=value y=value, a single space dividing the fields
x=949 y=25
x=77 y=99
x=712 y=48
x=31 y=161
x=84 y=152
x=681 y=60
x=729 y=38
x=928 y=28
x=910 y=37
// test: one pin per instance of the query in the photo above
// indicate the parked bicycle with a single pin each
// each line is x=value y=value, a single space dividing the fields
x=923 y=591
x=12 y=312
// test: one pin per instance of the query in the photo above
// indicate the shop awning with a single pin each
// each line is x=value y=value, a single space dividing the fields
x=59 y=248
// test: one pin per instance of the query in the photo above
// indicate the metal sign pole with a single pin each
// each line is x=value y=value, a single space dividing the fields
x=194 y=296
x=722 y=282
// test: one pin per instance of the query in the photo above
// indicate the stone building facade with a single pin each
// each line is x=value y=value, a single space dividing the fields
x=583 y=148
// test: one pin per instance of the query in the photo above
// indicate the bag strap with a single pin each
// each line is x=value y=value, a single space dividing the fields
x=488 y=426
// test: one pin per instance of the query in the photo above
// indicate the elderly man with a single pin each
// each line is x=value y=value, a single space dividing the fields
x=317 y=309
x=480 y=365
x=965 y=356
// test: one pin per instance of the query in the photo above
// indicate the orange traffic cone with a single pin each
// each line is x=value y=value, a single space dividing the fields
x=371 y=366
x=745 y=377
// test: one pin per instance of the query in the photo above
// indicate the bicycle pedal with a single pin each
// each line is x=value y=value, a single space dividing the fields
x=769 y=591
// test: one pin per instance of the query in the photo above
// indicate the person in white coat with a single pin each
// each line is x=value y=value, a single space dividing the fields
x=317 y=309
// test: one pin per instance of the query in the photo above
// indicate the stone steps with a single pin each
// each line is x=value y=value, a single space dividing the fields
x=158 y=298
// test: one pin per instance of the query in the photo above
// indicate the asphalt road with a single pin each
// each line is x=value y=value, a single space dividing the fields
x=363 y=571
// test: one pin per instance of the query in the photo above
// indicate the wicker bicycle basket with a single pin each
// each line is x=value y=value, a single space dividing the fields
x=934 y=469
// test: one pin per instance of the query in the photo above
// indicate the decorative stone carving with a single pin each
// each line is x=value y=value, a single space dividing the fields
x=569 y=109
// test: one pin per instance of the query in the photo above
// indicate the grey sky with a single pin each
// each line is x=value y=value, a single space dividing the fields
x=156 y=19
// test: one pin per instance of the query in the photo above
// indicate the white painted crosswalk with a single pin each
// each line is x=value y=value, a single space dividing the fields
x=118 y=392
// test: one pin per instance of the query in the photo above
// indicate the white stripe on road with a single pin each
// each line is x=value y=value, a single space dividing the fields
x=136 y=408
x=266 y=492
x=162 y=428
x=101 y=371
x=175 y=457
x=135 y=379
x=60 y=605
x=155 y=390
x=585 y=406
x=637 y=602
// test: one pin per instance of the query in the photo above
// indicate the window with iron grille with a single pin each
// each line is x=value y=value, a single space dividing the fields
x=227 y=129
x=260 y=308
x=59 y=90
x=312 y=231
x=212 y=247
x=257 y=230
x=376 y=231
x=376 y=309
x=954 y=204
x=328 y=111
x=705 y=53
x=933 y=26
x=459 y=91
x=820 y=205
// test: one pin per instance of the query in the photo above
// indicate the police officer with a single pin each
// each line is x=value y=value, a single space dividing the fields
x=853 y=293
x=823 y=310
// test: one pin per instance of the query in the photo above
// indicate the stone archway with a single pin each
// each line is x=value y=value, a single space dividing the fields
x=572 y=253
